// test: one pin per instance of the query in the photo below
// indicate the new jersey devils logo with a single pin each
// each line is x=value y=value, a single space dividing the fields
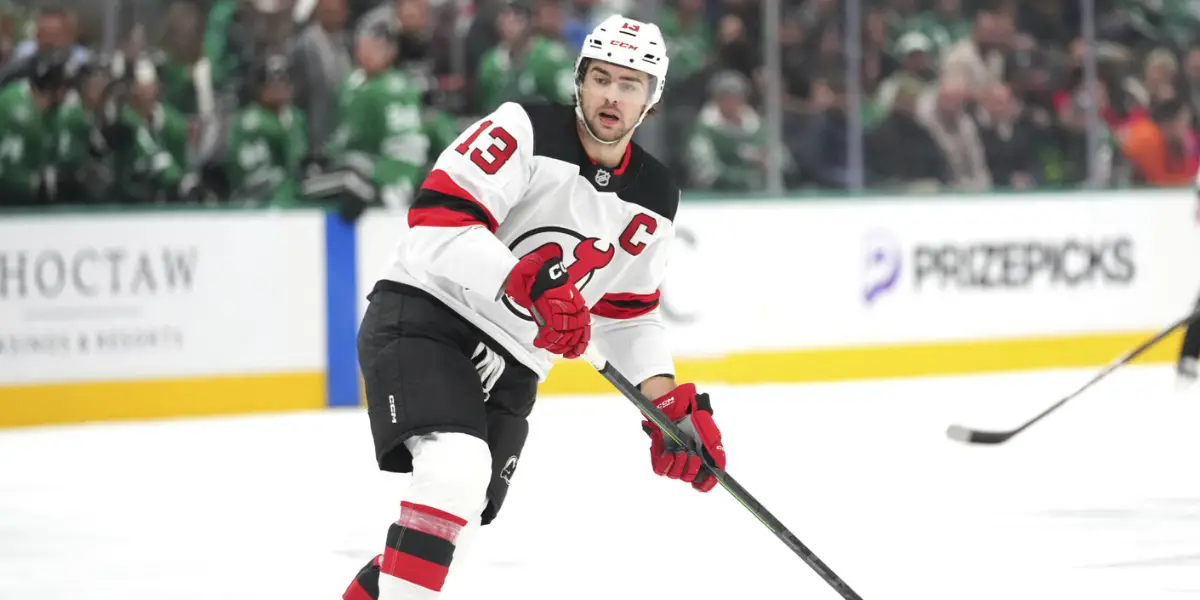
x=587 y=256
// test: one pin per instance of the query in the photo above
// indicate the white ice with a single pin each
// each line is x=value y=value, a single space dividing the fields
x=1100 y=501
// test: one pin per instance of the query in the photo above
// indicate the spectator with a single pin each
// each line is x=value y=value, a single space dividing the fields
x=877 y=64
x=410 y=20
x=689 y=40
x=527 y=64
x=830 y=49
x=817 y=14
x=943 y=114
x=1009 y=138
x=915 y=50
x=1053 y=23
x=735 y=50
x=27 y=143
x=54 y=27
x=1158 y=77
x=946 y=25
x=321 y=60
x=229 y=40
x=1163 y=149
x=84 y=172
x=903 y=17
x=981 y=59
x=825 y=150
x=796 y=65
x=182 y=47
x=1191 y=79
x=727 y=150
x=380 y=137
x=900 y=152
x=268 y=139
x=1063 y=159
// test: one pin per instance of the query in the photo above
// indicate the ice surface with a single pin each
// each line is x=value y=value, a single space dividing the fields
x=1099 y=501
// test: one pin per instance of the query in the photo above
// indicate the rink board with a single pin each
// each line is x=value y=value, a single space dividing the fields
x=173 y=313
x=811 y=290
x=182 y=313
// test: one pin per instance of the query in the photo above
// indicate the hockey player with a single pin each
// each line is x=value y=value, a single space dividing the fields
x=28 y=123
x=540 y=230
x=268 y=140
x=379 y=145
x=164 y=121
x=530 y=62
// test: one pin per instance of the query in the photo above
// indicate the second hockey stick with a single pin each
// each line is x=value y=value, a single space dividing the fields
x=976 y=436
x=634 y=395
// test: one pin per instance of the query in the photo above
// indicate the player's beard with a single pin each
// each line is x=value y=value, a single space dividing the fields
x=608 y=134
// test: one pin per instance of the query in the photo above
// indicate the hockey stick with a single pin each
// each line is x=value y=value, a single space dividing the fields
x=631 y=392
x=975 y=436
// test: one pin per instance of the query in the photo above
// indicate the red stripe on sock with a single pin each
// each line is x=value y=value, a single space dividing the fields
x=428 y=519
x=414 y=570
x=356 y=592
x=429 y=510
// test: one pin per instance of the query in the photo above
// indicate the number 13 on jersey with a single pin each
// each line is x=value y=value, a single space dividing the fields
x=491 y=158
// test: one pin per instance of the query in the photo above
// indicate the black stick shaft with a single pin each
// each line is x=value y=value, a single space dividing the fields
x=997 y=437
x=634 y=395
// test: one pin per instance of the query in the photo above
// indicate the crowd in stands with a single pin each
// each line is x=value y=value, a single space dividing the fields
x=281 y=102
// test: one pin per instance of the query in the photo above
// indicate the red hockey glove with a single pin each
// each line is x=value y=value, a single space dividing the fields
x=693 y=413
x=542 y=286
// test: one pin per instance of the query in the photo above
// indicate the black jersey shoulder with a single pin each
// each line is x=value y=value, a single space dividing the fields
x=553 y=131
x=645 y=182
x=649 y=184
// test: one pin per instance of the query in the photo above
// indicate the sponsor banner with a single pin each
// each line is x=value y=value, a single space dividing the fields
x=185 y=295
x=973 y=278
x=804 y=274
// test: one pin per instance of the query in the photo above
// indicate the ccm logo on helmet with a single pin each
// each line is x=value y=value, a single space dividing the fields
x=623 y=45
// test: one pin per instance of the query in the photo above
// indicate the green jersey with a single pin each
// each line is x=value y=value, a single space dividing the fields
x=943 y=31
x=178 y=88
x=216 y=41
x=74 y=131
x=265 y=150
x=380 y=133
x=27 y=143
x=145 y=171
x=725 y=155
x=688 y=46
x=84 y=176
x=170 y=130
x=545 y=71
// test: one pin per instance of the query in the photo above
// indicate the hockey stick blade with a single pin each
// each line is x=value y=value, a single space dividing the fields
x=971 y=436
x=634 y=395
x=974 y=436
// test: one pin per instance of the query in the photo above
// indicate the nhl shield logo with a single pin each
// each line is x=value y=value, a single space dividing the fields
x=602 y=177
x=510 y=467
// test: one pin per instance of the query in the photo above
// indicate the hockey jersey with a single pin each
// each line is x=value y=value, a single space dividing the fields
x=519 y=181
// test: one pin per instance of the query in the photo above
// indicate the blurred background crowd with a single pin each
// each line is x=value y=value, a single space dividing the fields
x=282 y=102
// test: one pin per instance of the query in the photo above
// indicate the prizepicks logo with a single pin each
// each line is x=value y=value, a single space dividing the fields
x=882 y=263
x=1064 y=263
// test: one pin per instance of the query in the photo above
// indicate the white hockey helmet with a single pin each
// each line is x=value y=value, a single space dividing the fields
x=631 y=44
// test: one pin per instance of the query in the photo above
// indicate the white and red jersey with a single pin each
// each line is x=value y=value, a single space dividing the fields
x=519 y=181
